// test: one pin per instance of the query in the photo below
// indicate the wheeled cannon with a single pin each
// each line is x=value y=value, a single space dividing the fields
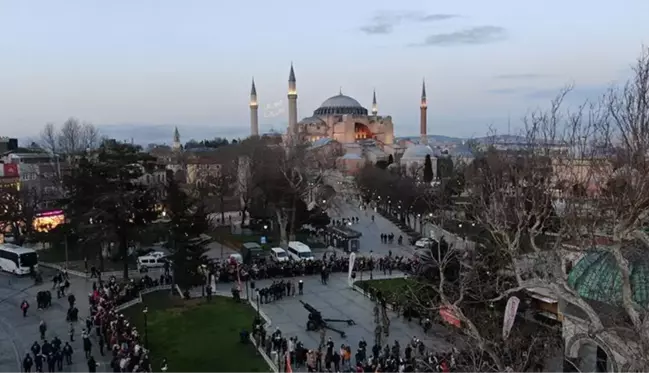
x=317 y=322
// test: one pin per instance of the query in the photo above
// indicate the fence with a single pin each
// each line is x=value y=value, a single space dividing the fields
x=260 y=349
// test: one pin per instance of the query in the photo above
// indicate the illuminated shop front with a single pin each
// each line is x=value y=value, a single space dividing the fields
x=48 y=220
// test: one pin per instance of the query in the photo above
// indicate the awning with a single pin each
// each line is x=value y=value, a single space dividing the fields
x=542 y=294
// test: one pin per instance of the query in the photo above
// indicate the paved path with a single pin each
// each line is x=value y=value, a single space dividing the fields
x=17 y=333
x=338 y=301
x=371 y=230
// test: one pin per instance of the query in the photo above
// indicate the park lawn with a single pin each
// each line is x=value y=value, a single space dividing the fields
x=396 y=289
x=196 y=335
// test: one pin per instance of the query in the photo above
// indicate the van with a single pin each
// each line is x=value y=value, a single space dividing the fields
x=150 y=261
x=299 y=251
x=251 y=251
x=278 y=254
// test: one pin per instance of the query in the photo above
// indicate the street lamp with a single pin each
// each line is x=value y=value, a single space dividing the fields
x=145 y=311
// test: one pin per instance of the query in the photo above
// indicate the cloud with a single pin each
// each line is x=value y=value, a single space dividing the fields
x=384 y=23
x=509 y=91
x=522 y=76
x=471 y=36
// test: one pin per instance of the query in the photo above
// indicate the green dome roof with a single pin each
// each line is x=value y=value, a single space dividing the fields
x=597 y=277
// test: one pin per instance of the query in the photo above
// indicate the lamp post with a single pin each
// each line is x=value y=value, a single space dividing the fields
x=145 y=311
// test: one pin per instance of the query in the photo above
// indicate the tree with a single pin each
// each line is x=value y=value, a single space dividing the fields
x=519 y=193
x=18 y=209
x=73 y=137
x=444 y=167
x=105 y=196
x=187 y=223
x=428 y=169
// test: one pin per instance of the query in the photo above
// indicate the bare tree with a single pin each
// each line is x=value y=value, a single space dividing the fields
x=72 y=138
x=578 y=177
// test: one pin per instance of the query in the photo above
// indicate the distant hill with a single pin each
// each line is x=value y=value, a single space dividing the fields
x=455 y=140
x=144 y=134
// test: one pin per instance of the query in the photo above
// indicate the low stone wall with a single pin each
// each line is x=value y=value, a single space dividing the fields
x=59 y=267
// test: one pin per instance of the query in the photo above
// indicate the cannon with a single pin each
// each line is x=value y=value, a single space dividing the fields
x=317 y=322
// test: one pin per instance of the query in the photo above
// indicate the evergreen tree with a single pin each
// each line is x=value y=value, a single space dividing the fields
x=105 y=199
x=187 y=222
x=428 y=169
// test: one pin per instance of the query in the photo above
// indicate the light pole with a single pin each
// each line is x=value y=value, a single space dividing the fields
x=145 y=311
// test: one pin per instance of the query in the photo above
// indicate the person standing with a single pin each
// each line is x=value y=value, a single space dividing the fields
x=67 y=353
x=51 y=361
x=92 y=364
x=87 y=345
x=42 y=328
x=27 y=363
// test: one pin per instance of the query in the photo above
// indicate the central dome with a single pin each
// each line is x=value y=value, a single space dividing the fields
x=340 y=104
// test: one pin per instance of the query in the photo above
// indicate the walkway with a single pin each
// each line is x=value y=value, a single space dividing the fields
x=17 y=333
x=337 y=300
x=371 y=230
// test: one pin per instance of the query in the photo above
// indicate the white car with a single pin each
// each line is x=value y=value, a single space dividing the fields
x=278 y=254
x=424 y=242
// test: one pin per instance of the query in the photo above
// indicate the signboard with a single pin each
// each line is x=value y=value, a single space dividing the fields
x=47 y=220
x=9 y=170
x=448 y=315
x=510 y=315
x=262 y=240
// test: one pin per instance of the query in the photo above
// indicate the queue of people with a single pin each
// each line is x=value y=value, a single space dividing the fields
x=226 y=271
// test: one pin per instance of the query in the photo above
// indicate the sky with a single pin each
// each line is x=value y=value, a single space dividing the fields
x=145 y=66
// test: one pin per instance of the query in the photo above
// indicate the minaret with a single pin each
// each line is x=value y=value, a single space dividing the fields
x=176 y=145
x=374 y=107
x=254 y=111
x=423 y=107
x=292 y=102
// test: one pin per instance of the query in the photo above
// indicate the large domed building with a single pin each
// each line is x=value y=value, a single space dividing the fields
x=344 y=119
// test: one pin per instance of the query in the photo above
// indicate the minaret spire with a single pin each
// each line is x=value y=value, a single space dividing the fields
x=254 y=110
x=423 y=115
x=176 y=145
x=292 y=102
x=374 y=107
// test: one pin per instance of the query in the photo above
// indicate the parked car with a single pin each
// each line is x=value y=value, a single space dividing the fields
x=424 y=242
x=278 y=254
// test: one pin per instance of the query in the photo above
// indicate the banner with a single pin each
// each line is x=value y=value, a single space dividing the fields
x=510 y=315
x=352 y=259
x=287 y=359
x=9 y=170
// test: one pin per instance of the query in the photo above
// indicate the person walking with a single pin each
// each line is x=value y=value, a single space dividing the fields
x=24 y=306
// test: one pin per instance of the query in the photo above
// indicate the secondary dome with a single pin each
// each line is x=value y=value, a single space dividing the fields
x=417 y=153
x=340 y=104
x=597 y=277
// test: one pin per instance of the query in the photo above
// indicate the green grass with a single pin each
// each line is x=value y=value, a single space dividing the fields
x=397 y=289
x=196 y=335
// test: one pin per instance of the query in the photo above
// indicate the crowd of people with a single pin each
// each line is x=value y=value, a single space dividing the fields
x=226 y=271
x=413 y=357
x=105 y=331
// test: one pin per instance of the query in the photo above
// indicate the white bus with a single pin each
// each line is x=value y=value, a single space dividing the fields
x=16 y=259
x=299 y=251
